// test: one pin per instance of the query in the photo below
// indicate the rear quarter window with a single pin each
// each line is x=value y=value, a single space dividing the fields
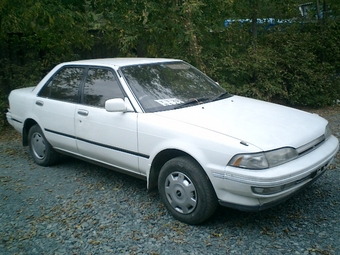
x=64 y=85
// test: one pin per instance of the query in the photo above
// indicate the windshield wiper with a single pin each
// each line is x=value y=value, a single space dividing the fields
x=193 y=101
x=221 y=96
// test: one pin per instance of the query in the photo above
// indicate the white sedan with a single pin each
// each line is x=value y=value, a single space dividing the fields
x=164 y=121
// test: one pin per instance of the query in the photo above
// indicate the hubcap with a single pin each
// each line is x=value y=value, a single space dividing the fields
x=181 y=192
x=38 y=145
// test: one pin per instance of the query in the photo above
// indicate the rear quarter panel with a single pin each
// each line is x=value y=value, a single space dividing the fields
x=20 y=106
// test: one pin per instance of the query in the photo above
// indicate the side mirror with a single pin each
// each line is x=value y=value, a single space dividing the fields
x=118 y=105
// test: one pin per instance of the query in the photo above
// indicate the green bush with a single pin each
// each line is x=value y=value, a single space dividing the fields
x=296 y=64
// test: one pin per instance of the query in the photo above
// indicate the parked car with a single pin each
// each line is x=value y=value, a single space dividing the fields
x=166 y=122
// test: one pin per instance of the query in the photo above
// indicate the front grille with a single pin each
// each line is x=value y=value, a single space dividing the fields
x=310 y=146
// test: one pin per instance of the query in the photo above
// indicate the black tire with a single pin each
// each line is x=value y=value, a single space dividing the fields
x=186 y=190
x=40 y=149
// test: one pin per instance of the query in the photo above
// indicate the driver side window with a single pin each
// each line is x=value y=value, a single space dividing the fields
x=100 y=85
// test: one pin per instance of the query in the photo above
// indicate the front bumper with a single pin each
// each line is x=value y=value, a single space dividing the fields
x=254 y=190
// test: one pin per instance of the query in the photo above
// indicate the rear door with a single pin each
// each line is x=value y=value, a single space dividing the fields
x=107 y=137
x=55 y=107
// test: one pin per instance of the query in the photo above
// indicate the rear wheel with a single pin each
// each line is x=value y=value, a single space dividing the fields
x=40 y=149
x=186 y=190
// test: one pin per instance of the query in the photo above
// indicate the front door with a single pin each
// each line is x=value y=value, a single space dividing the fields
x=107 y=137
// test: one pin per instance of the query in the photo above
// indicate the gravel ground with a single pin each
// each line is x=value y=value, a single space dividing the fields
x=78 y=208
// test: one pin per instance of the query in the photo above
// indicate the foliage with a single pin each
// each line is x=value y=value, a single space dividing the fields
x=34 y=36
x=297 y=63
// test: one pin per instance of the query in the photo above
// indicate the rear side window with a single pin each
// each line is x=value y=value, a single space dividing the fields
x=64 y=85
x=101 y=85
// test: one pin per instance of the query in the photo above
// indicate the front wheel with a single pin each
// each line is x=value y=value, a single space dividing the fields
x=186 y=190
x=40 y=149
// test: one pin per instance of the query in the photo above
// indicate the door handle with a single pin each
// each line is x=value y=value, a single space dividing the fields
x=39 y=103
x=83 y=112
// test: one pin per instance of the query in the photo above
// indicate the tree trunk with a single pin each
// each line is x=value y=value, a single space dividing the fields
x=254 y=5
x=318 y=9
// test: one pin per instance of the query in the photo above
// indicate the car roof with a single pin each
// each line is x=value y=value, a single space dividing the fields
x=118 y=62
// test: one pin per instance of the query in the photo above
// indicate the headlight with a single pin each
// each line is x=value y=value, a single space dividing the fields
x=328 y=131
x=263 y=160
x=250 y=161
x=280 y=156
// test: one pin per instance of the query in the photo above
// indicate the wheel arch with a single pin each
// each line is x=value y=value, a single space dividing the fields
x=27 y=125
x=160 y=159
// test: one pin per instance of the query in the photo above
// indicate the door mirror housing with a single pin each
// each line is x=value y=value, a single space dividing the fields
x=118 y=105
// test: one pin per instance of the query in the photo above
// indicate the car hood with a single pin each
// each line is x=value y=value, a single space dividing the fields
x=262 y=124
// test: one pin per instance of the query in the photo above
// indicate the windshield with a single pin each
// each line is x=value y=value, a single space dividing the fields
x=164 y=86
